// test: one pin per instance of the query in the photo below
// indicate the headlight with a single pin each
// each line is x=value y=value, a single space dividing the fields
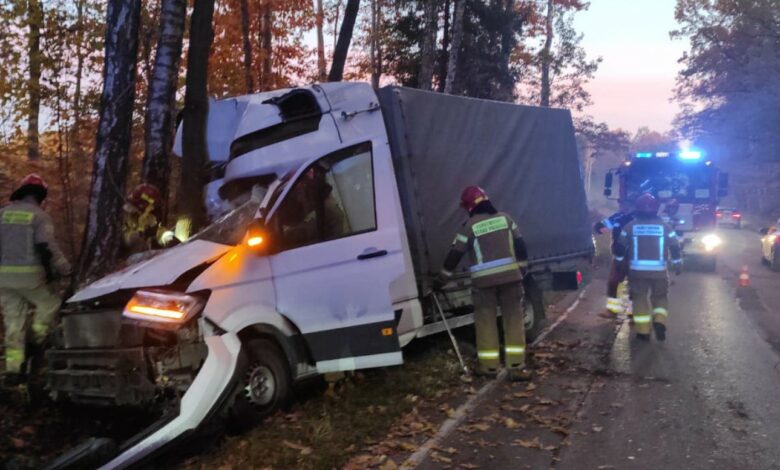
x=711 y=241
x=159 y=306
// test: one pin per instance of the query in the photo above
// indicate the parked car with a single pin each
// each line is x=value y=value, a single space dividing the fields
x=728 y=216
x=770 y=247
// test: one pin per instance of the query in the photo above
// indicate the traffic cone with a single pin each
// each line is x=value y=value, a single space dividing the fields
x=744 y=277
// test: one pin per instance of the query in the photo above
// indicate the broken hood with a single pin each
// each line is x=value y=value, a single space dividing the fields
x=161 y=270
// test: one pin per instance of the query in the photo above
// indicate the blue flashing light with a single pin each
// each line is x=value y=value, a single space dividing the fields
x=644 y=155
x=690 y=155
x=661 y=154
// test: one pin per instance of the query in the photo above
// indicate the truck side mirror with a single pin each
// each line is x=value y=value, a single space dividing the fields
x=607 y=192
x=723 y=184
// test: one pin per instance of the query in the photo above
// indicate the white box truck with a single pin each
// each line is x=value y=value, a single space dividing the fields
x=354 y=196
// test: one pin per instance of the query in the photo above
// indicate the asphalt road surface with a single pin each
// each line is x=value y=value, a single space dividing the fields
x=708 y=397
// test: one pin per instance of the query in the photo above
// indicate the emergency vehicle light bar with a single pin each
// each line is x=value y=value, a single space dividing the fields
x=690 y=155
x=644 y=155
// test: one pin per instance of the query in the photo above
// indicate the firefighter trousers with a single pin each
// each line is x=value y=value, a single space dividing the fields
x=486 y=302
x=651 y=301
x=28 y=315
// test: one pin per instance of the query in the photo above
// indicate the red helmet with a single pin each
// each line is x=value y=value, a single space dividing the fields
x=143 y=196
x=647 y=204
x=31 y=184
x=472 y=196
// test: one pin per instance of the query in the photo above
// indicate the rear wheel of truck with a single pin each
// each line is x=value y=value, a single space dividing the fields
x=264 y=388
x=534 y=311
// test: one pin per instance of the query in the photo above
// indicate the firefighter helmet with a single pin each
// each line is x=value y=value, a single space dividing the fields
x=647 y=204
x=31 y=185
x=472 y=196
x=144 y=197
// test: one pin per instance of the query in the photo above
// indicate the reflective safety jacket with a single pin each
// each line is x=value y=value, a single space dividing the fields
x=614 y=223
x=648 y=245
x=498 y=253
x=26 y=243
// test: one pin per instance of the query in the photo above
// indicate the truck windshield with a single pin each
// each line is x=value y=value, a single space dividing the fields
x=683 y=184
x=230 y=228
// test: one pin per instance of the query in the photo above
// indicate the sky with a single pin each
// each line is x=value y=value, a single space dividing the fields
x=635 y=81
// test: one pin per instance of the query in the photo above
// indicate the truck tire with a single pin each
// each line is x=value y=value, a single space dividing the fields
x=265 y=385
x=534 y=311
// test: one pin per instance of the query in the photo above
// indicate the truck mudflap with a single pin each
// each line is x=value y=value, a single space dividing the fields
x=208 y=395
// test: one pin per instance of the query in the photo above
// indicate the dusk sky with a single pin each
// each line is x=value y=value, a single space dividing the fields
x=635 y=81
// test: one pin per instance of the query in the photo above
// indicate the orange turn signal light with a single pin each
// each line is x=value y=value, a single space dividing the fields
x=387 y=332
x=255 y=241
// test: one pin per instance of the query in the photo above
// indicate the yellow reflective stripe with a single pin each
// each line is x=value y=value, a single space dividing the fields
x=642 y=319
x=515 y=349
x=661 y=311
x=40 y=328
x=13 y=359
x=460 y=238
x=444 y=272
x=496 y=270
x=478 y=252
x=20 y=269
x=18 y=217
x=491 y=354
x=489 y=226
x=522 y=264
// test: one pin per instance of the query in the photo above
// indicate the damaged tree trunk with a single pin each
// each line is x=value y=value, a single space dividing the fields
x=196 y=109
x=162 y=96
x=457 y=39
x=34 y=24
x=546 y=58
x=104 y=217
x=428 y=49
x=322 y=73
x=248 y=79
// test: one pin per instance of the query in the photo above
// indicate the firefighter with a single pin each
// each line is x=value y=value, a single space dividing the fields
x=617 y=271
x=142 y=230
x=30 y=260
x=647 y=244
x=498 y=261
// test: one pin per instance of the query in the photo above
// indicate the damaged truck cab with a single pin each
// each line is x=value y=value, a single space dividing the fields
x=339 y=206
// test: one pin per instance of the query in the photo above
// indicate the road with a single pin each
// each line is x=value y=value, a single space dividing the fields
x=706 y=398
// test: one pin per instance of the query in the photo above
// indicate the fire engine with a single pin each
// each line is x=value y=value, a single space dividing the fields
x=686 y=176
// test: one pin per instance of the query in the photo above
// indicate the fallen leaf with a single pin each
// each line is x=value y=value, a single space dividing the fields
x=510 y=423
x=545 y=401
x=606 y=467
x=523 y=395
x=531 y=386
x=388 y=464
x=301 y=448
x=30 y=430
x=616 y=405
x=532 y=444
x=597 y=428
x=469 y=466
x=560 y=430
x=18 y=443
x=440 y=458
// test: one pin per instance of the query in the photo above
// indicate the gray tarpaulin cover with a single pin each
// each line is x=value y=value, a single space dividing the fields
x=524 y=157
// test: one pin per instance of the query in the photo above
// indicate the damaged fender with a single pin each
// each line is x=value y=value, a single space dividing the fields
x=204 y=398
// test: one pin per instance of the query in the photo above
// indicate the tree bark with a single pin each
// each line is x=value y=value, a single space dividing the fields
x=445 y=45
x=266 y=40
x=345 y=38
x=322 y=73
x=457 y=40
x=546 y=56
x=428 y=49
x=373 y=44
x=34 y=24
x=104 y=216
x=162 y=96
x=196 y=108
x=248 y=76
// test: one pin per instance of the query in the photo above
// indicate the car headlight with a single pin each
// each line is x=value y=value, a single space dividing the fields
x=162 y=306
x=711 y=241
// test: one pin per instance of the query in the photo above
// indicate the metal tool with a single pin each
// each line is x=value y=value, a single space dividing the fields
x=449 y=332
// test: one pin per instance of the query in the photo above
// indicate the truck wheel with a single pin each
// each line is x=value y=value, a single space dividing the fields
x=264 y=388
x=534 y=311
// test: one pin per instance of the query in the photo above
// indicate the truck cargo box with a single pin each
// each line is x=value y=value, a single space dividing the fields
x=524 y=157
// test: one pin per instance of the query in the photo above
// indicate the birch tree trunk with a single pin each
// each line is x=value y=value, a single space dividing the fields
x=248 y=75
x=445 y=48
x=322 y=73
x=34 y=25
x=457 y=40
x=428 y=49
x=345 y=38
x=546 y=56
x=196 y=108
x=104 y=216
x=162 y=96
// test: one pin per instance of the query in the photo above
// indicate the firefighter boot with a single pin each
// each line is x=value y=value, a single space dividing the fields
x=660 y=331
x=523 y=374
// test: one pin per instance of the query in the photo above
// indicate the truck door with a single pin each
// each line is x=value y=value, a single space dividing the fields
x=339 y=249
